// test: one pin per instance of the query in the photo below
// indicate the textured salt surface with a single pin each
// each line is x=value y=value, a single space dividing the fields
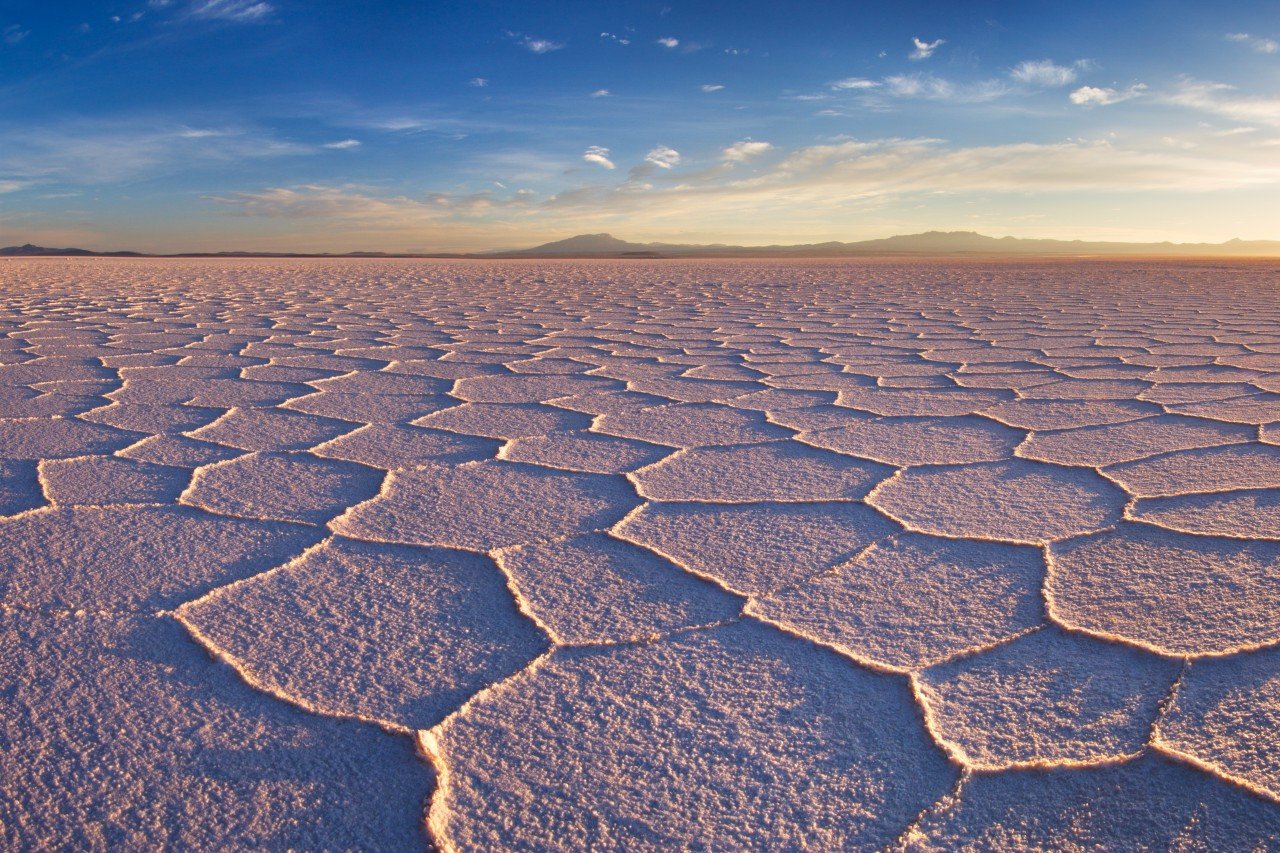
x=736 y=737
x=385 y=555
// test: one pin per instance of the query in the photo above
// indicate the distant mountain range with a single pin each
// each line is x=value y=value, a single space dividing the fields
x=608 y=246
x=30 y=251
x=928 y=243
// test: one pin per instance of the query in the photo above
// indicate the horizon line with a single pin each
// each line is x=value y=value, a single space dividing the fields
x=578 y=245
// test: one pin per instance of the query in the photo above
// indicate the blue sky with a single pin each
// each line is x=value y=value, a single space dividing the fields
x=280 y=124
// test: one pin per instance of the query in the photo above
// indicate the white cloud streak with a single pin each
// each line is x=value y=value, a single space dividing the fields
x=924 y=49
x=237 y=11
x=853 y=83
x=930 y=88
x=741 y=152
x=1223 y=100
x=540 y=45
x=1096 y=96
x=86 y=152
x=599 y=156
x=312 y=201
x=663 y=157
x=1043 y=72
x=1258 y=43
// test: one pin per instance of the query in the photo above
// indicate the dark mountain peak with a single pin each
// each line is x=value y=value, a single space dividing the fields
x=939 y=238
x=588 y=244
x=30 y=250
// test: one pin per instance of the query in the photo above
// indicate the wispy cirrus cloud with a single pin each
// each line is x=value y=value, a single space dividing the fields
x=452 y=220
x=1260 y=44
x=932 y=88
x=924 y=49
x=1046 y=73
x=712 y=87
x=1035 y=74
x=747 y=149
x=917 y=86
x=812 y=185
x=669 y=42
x=662 y=156
x=599 y=156
x=896 y=166
x=463 y=222
x=535 y=44
x=91 y=152
x=311 y=201
x=542 y=45
x=853 y=84
x=342 y=144
x=1224 y=100
x=450 y=127
x=237 y=11
x=13 y=34
x=1101 y=96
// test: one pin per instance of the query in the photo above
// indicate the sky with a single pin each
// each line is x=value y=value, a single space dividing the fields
x=171 y=125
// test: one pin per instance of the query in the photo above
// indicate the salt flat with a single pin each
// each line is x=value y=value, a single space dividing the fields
x=513 y=555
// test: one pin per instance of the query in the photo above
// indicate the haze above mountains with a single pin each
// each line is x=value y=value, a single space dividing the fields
x=927 y=243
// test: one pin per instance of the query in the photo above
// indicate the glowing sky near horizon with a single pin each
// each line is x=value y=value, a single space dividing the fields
x=167 y=125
